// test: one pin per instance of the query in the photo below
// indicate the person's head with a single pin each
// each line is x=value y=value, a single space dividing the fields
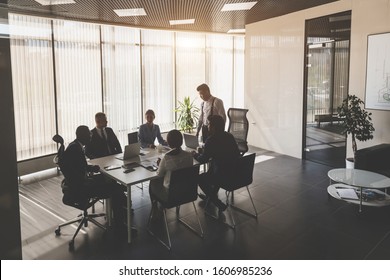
x=100 y=120
x=216 y=124
x=175 y=138
x=83 y=134
x=149 y=116
x=204 y=92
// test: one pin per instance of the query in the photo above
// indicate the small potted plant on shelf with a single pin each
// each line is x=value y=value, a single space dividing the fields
x=188 y=115
x=357 y=122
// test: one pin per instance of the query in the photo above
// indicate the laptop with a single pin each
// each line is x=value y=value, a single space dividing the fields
x=131 y=151
x=191 y=141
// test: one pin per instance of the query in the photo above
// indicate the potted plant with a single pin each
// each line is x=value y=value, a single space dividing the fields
x=188 y=115
x=356 y=120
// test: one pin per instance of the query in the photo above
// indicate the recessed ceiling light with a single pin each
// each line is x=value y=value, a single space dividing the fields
x=238 y=6
x=54 y=2
x=236 y=30
x=182 y=21
x=130 y=12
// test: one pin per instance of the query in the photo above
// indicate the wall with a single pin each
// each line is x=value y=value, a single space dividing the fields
x=10 y=243
x=274 y=73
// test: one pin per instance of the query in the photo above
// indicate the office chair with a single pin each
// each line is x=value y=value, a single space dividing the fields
x=242 y=177
x=76 y=202
x=182 y=189
x=238 y=127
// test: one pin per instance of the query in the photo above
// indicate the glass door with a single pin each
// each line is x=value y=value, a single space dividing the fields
x=326 y=85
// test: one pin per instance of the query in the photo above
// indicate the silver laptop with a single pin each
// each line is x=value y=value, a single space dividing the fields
x=131 y=151
x=191 y=141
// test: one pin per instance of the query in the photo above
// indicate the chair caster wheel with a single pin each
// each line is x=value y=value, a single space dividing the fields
x=58 y=232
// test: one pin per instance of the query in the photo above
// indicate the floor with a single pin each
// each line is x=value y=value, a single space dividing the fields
x=297 y=220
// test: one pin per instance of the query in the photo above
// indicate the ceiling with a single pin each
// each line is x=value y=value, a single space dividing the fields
x=207 y=13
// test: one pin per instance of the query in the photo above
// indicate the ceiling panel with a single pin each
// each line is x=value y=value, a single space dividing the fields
x=207 y=13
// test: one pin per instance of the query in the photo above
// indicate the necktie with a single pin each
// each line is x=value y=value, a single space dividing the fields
x=105 y=139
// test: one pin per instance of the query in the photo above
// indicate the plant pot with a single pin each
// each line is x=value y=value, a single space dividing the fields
x=349 y=163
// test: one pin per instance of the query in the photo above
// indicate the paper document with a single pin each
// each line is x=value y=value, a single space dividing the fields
x=347 y=193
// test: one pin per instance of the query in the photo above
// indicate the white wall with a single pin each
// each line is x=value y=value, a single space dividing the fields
x=274 y=73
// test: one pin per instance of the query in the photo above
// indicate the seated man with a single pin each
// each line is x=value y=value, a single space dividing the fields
x=149 y=131
x=176 y=158
x=223 y=151
x=104 y=141
x=76 y=172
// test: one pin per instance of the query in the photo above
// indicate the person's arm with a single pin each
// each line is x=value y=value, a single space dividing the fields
x=206 y=154
x=142 y=137
x=115 y=142
x=162 y=168
x=159 y=137
x=200 y=120
x=220 y=108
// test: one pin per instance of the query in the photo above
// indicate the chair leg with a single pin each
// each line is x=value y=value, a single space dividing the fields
x=181 y=220
x=254 y=215
x=168 y=246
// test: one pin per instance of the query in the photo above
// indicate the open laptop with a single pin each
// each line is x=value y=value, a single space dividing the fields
x=191 y=141
x=131 y=151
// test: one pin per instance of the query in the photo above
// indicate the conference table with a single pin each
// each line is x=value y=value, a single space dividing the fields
x=138 y=174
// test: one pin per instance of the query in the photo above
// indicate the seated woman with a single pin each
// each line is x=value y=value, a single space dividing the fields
x=148 y=132
x=176 y=158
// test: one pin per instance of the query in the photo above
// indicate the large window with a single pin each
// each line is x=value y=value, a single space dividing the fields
x=66 y=71
x=122 y=79
x=33 y=85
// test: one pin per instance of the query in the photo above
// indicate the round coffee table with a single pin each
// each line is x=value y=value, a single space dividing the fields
x=369 y=187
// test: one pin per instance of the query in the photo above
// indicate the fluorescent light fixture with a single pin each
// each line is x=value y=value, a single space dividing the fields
x=182 y=21
x=54 y=2
x=238 y=6
x=237 y=30
x=130 y=12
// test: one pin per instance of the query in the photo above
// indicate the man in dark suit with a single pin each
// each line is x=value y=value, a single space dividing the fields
x=104 y=141
x=81 y=184
x=223 y=151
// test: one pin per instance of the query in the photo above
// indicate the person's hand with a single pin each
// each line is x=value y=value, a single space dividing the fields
x=95 y=168
x=158 y=161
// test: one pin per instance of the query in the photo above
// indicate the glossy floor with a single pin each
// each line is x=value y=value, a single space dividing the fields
x=297 y=220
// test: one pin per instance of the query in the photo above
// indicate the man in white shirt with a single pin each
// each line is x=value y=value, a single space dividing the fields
x=211 y=105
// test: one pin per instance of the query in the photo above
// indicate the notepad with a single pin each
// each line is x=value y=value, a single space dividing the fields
x=347 y=193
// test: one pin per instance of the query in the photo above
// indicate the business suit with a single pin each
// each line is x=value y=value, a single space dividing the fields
x=222 y=149
x=100 y=147
x=76 y=170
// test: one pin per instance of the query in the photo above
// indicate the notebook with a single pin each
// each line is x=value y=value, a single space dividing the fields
x=131 y=151
x=191 y=141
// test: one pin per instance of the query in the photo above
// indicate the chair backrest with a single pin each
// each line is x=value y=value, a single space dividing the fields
x=132 y=137
x=183 y=187
x=238 y=127
x=60 y=141
x=243 y=174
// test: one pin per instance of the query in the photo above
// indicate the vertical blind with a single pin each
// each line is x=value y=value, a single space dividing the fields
x=64 y=72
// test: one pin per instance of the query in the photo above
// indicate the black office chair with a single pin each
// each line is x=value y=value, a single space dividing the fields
x=182 y=189
x=76 y=202
x=242 y=177
x=132 y=137
x=238 y=127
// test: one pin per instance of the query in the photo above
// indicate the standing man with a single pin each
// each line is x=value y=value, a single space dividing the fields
x=104 y=141
x=210 y=106
x=222 y=149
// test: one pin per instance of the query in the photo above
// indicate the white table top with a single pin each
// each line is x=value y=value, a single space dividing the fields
x=359 y=178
